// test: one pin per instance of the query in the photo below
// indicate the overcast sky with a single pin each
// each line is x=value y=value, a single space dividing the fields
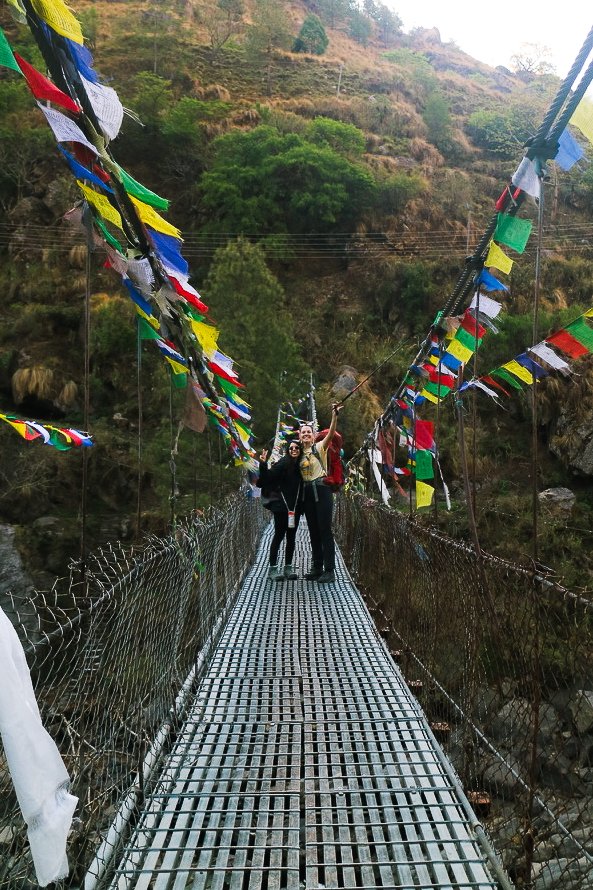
x=492 y=32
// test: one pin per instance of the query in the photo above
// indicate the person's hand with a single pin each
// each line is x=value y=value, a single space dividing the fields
x=264 y=455
x=336 y=407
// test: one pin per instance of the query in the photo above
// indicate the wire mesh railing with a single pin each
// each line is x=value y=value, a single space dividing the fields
x=503 y=660
x=112 y=660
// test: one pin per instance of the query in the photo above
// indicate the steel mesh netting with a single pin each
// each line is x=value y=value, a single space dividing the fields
x=114 y=661
x=503 y=663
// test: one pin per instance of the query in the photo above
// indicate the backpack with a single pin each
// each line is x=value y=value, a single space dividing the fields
x=334 y=478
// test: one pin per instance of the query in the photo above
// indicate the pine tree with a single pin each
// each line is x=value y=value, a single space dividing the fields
x=312 y=37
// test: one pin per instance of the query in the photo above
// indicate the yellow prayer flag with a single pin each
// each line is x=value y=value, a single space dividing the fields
x=207 y=336
x=101 y=205
x=583 y=118
x=151 y=218
x=17 y=425
x=428 y=395
x=244 y=434
x=407 y=423
x=177 y=367
x=589 y=313
x=152 y=321
x=56 y=14
x=459 y=351
x=498 y=258
x=519 y=371
x=424 y=494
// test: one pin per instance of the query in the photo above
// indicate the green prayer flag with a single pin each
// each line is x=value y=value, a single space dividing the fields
x=230 y=389
x=512 y=231
x=424 y=468
x=107 y=235
x=506 y=375
x=440 y=392
x=466 y=339
x=59 y=443
x=6 y=57
x=141 y=192
x=191 y=312
x=581 y=331
x=179 y=380
x=147 y=332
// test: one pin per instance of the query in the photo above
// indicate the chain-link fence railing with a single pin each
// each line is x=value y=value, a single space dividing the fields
x=502 y=660
x=112 y=660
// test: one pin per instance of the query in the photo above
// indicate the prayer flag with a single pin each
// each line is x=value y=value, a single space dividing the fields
x=424 y=494
x=43 y=88
x=512 y=231
x=424 y=467
x=82 y=173
x=568 y=344
x=490 y=282
x=83 y=61
x=167 y=250
x=488 y=306
x=101 y=205
x=569 y=151
x=547 y=355
x=64 y=129
x=459 y=351
x=581 y=331
x=526 y=178
x=152 y=219
x=536 y=370
x=519 y=371
x=56 y=14
x=6 y=55
x=500 y=372
x=424 y=434
x=147 y=332
x=139 y=191
x=583 y=118
x=207 y=336
x=194 y=415
x=497 y=258
x=110 y=239
x=106 y=105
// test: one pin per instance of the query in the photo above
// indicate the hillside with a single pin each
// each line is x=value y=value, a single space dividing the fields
x=358 y=179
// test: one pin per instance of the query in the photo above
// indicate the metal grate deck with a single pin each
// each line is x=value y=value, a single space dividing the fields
x=305 y=762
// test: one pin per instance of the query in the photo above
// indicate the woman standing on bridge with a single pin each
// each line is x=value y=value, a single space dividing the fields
x=283 y=477
x=318 y=501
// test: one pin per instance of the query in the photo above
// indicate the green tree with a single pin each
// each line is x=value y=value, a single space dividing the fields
x=345 y=139
x=265 y=183
x=224 y=20
x=360 y=27
x=269 y=32
x=533 y=58
x=248 y=304
x=389 y=23
x=438 y=120
x=312 y=37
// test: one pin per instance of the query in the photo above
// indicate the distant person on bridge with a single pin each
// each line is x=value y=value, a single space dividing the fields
x=318 y=500
x=284 y=478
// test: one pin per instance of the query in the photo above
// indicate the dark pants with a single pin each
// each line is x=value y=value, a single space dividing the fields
x=280 y=530
x=319 y=512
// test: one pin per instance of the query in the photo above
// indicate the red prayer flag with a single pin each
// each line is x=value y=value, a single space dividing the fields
x=468 y=323
x=191 y=298
x=567 y=343
x=423 y=435
x=491 y=382
x=43 y=88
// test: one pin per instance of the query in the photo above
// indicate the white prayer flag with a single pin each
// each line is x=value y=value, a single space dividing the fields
x=488 y=306
x=64 y=129
x=525 y=178
x=38 y=773
x=106 y=105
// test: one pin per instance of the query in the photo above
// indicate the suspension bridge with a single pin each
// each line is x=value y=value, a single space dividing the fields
x=223 y=730
x=303 y=760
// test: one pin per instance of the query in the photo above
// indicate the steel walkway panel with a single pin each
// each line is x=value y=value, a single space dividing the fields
x=304 y=762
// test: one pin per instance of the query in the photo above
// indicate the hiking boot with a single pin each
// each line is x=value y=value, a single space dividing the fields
x=327 y=578
x=274 y=574
x=289 y=572
x=314 y=574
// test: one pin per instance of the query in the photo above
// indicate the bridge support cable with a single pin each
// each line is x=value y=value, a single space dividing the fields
x=305 y=761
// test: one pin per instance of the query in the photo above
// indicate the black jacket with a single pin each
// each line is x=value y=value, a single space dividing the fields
x=276 y=478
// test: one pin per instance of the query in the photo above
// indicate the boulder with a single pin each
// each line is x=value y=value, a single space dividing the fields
x=559 y=500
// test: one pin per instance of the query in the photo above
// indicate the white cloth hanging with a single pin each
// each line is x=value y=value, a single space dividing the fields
x=37 y=770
